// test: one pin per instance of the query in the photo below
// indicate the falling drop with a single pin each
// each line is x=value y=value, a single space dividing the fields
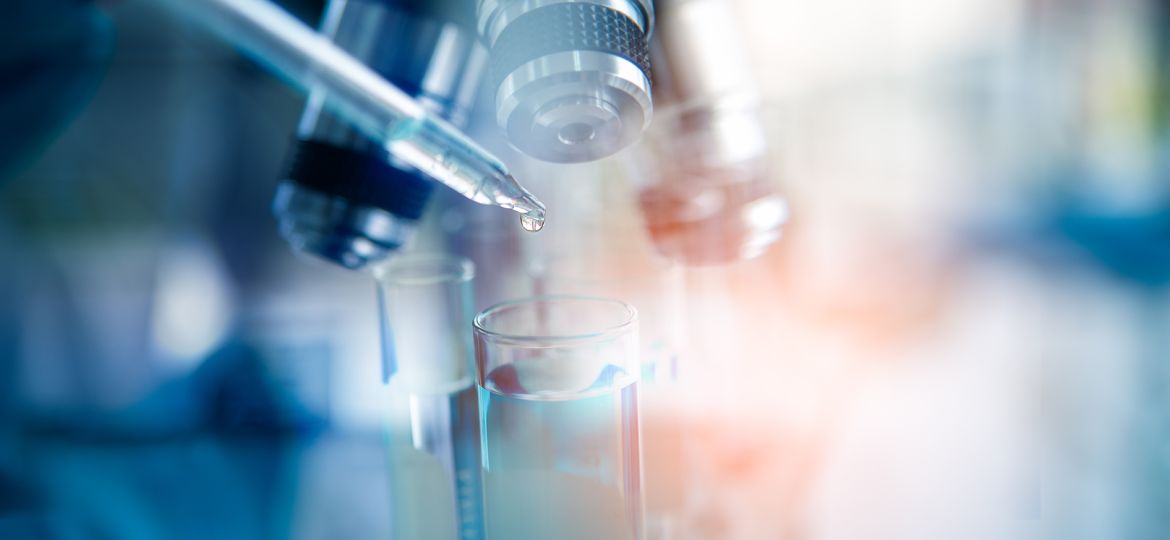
x=530 y=223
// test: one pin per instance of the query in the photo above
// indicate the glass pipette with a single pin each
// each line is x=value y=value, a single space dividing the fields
x=381 y=111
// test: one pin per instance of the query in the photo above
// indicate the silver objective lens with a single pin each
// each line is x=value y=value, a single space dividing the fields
x=571 y=77
x=709 y=198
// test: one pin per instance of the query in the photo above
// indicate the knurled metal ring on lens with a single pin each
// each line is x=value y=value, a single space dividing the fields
x=495 y=15
x=572 y=80
x=568 y=27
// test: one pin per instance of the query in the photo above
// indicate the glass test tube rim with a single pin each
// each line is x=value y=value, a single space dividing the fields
x=554 y=340
x=404 y=268
x=437 y=371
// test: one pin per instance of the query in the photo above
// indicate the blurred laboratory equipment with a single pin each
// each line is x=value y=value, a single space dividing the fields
x=44 y=97
x=432 y=422
x=1107 y=200
x=704 y=177
x=961 y=336
x=558 y=388
x=409 y=130
x=344 y=198
x=571 y=79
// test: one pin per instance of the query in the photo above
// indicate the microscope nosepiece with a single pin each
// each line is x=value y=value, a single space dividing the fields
x=571 y=79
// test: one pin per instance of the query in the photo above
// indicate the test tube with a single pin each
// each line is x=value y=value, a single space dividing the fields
x=558 y=397
x=432 y=424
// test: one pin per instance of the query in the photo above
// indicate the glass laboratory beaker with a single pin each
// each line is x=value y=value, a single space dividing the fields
x=558 y=404
x=432 y=425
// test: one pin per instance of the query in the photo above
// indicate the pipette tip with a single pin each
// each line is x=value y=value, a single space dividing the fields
x=531 y=213
x=530 y=208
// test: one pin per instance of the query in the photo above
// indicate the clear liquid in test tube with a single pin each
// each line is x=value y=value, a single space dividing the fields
x=558 y=399
x=432 y=428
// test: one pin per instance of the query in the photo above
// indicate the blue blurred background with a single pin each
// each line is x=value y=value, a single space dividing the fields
x=965 y=332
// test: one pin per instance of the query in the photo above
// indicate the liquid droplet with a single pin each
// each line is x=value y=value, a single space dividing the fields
x=531 y=224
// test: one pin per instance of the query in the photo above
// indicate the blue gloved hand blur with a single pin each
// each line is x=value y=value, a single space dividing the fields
x=53 y=55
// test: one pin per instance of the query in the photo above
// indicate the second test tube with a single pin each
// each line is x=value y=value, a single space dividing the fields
x=433 y=431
